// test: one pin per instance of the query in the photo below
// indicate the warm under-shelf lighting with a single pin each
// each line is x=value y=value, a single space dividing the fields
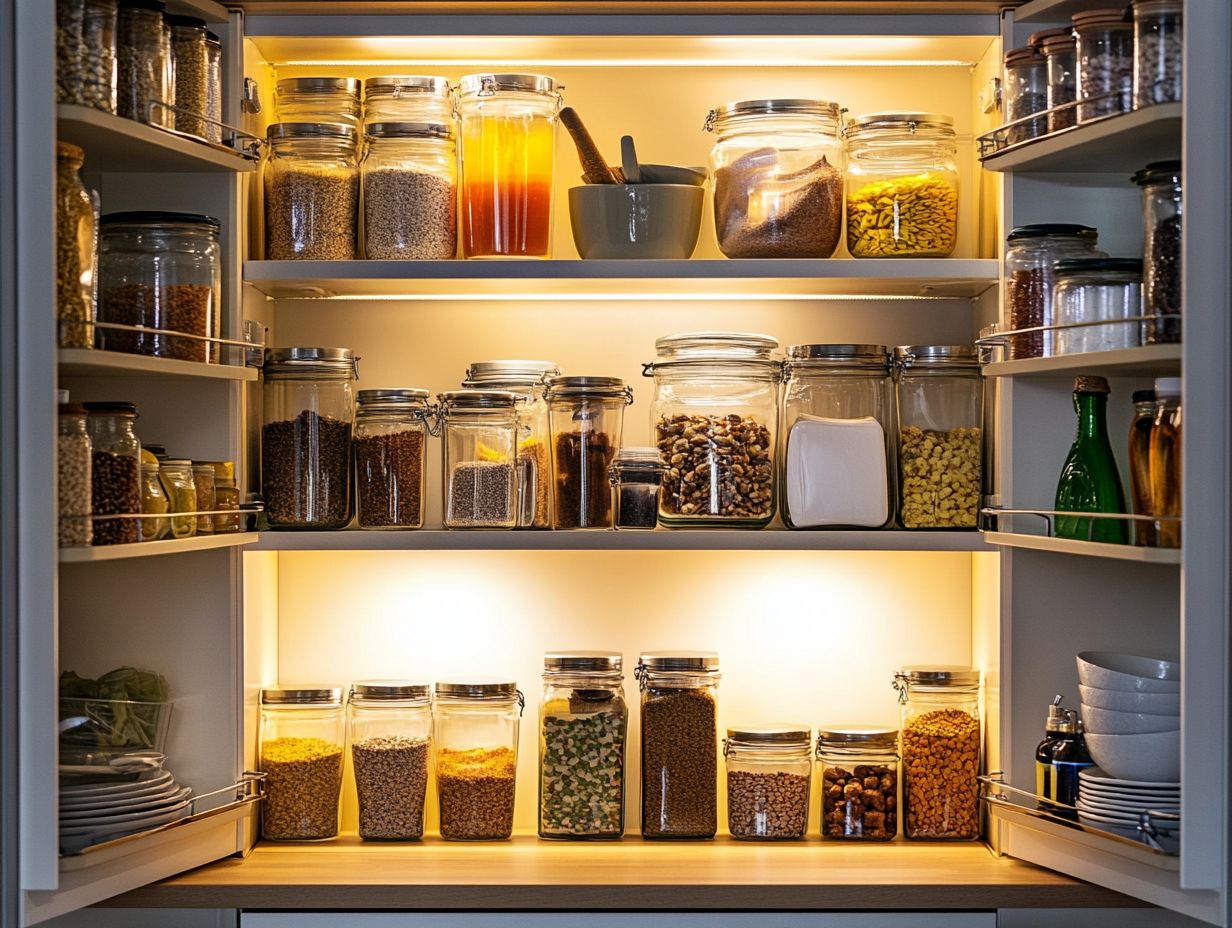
x=556 y=62
x=608 y=297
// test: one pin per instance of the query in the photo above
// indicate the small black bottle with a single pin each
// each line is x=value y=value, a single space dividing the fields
x=1054 y=726
x=1069 y=757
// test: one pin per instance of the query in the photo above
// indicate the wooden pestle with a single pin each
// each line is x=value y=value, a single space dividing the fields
x=594 y=165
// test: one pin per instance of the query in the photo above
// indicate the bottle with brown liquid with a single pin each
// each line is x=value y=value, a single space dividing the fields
x=1165 y=461
x=1140 y=464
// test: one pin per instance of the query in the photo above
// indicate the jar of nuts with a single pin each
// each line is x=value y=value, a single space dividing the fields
x=768 y=782
x=302 y=732
x=859 y=783
x=941 y=750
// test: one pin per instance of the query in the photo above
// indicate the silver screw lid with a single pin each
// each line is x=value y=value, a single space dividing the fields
x=305 y=695
x=583 y=662
x=780 y=735
x=390 y=690
x=478 y=690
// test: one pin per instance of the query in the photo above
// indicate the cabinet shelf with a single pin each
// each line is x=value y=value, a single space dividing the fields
x=154 y=548
x=1054 y=11
x=114 y=143
x=85 y=361
x=1142 y=555
x=1144 y=361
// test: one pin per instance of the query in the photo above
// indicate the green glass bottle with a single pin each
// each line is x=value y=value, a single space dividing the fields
x=1089 y=480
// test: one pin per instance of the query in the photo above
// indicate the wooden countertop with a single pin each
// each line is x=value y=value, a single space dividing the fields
x=527 y=873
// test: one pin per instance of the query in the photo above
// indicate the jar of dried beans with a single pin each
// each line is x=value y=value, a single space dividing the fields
x=768 y=782
x=1029 y=256
x=1161 y=254
x=389 y=729
x=115 y=472
x=86 y=53
x=859 y=783
x=391 y=442
x=479 y=429
x=302 y=736
x=413 y=98
x=1158 y=51
x=410 y=188
x=941 y=751
x=1105 y=63
x=311 y=192
x=587 y=417
x=1060 y=51
x=778 y=178
x=73 y=487
x=75 y=251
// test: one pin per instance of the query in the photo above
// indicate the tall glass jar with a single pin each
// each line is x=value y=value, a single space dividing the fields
x=1060 y=49
x=226 y=498
x=1158 y=51
x=389 y=730
x=160 y=270
x=587 y=418
x=412 y=98
x=583 y=722
x=309 y=399
x=203 y=481
x=1139 y=464
x=1107 y=291
x=679 y=743
x=144 y=66
x=303 y=733
x=318 y=99
x=75 y=251
x=939 y=396
x=192 y=79
x=902 y=186
x=476 y=743
x=1105 y=63
x=480 y=444
x=636 y=476
x=716 y=390
x=115 y=471
x=859 y=783
x=1029 y=256
x=1026 y=92
x=391 y=445
x=941 y=751
x=154 y=501
x=769 y=777
x=838 y=456
x=778 y=178
x=508 y=163
x=1162 y=209
x=74 y=493
x=86 y=53
x=1164 y=457
x=176 y=475
x=213 y=87
x=410 y=180
x=311 y=192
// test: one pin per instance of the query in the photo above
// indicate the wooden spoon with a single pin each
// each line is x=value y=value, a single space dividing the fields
x=594 y=165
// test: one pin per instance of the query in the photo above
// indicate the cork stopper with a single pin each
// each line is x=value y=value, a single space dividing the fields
x=1091 y=385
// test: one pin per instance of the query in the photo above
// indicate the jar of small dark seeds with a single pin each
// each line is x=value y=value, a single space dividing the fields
x=391 y=440
x=768 y=782
x=587 y=417
x=636 y=476
x=859 y=783
x=389 y=729
x=115 y=472
x=1060 y=49
x=1161 y=254
x=479 y=430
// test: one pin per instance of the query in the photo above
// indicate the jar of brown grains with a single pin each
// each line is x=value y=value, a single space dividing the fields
x=768 y=782
x=859 y=783
x=1029 y=279
x=311 y=192
x=115 y=472
x=301 y=742
x=587 y=416
x=389 y=729
x=391 y=441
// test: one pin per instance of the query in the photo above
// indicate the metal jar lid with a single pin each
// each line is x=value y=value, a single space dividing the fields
x=935 y=124
x=1071 y=266
x=1050 y=229
x=679 y=661
x=780 y=107
x=302 y=696
x=867 y=357
x=392 y=396
x=154 y=217
x=937 y=675
x=490 y=690
x=953 y=357
x=523 y=372
x=310 y=130
x=599 y=387
x=311 y=361
x=390 y=690
x=485 y=84
x=407 y=85
x=343 y=85
x=1158 y=171
x=855 y=736
x=770 y=736
x=408 y=130
x=111 y=409
x=453 y=400
x=603 y=662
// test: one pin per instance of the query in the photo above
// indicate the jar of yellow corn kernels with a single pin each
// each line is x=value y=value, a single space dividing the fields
x=902 y=186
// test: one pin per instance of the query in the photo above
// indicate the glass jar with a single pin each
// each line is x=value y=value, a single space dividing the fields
x=1158 y=51
x=177 y=478
x=70 y=17
x=302 y=738
x=902 y=186
x=144 y=64
x=73 y=490
x=153 y=501
x=716 y=390
x=859 y=783
x=1164 y=461
x=160 y=270
x=939 y=397
x=309 y=399
x=778 y=178
x=389 y=729
x=391 y=445
x=941 y=751
x=1099 y=290
x=679 y=743
x=1060 y=49
x=1029 y=256
x=318 y=99
x=1026 y=92
x=76 y=233
x=226 y=498
x=192 y=79
x=480 y=431
x=410 y=178
x=203 y=481
x=587 y=418
x=1161 y=255
x=213 y=87
x=1139 y=466
x=413 y=98
x=311 y=192
x=583 y=722
x=508 y=163
x=534 y=462
x=476 y=742
x=769 y=776
x=115 y=472
x=838 y=460
x=1105 y=63
x=636 y=476
x=86 y=53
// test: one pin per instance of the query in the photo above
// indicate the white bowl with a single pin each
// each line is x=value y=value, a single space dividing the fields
x=1128 y=672
x=1111 y=722
x=1154 y=757
x=1120 y=701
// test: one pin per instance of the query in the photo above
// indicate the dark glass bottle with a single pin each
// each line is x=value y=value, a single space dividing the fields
x=1068 y=758
x=1140 y=464
x=1089 y=480
x=1054 y=725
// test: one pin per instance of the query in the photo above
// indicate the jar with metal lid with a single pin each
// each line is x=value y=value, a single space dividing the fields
x=311 y=192
x=716 y=390
x=160 y=271
x=479 y=447
x=115 y=471
x=203 y=481
x=859 y=783
x=769 y=777
x=508 y=124
x=778 y=178
x=303 y=732
x=1104 y=291
x=309 y=400
x=177 y=479
x=1030 y=254
x=476 y=744
x=213 y=87
x=76 y=238
x=153 y=500
x=1161 y=254
x=389 y=730
x=1025 y=92
x=410 y=177
x=636 y=476
x=583 y=722
x=318 y=99
x=838 y=459
x=73 y=490
x=902 y=186
x=1060 y=50
x=941 y=751
x=144 y=64
x=86 y=53
x=587 y=419
x=939 y=398
x=226 y=498
x=1158 y=51
x=679 y=743
x=191 y=73
x=1105 y=63
x=534 y=461
x=410 y=98
x=391 y=445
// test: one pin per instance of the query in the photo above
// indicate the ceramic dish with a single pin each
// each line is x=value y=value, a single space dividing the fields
x=124 y=824
x=1128 y=672
x=143 y=805
x=1099 y=777
x=131 y=788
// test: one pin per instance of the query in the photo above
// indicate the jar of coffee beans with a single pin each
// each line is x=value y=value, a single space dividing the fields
x=859 y=783
x=391 y=440
x=115 y=472
x=587 y=418
x=768 y=782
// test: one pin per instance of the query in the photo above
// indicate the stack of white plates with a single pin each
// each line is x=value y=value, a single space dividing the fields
x=1109 y=802
x=95 y=812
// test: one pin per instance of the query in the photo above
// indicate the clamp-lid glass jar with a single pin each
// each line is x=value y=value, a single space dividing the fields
x=859 y=783
x=410 y=187
x=587 y=418
x=1026 y=92
x=1104 y=291
x=177 y=479
x=73 y=490
x=391 y=444
x=769 y=777
x=1105 y=63
x=302 y=737
x=75 y=251
x=318 y=99
x=411 y=98
x=1030 y=254
x=1158 y=51
x=778 y=178
x=479 y=447
x=311 y=192
x=389 y=730
x=115 y=471
x=1162 y=208
x=636 y=476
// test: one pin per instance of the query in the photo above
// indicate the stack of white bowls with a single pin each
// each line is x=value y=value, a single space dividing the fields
x=1131 y=711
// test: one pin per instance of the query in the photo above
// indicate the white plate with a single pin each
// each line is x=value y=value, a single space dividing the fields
x=1123 y=808
x=89 y=801
x=116 y=789
x=1121 y=818
x=118 y=821
x=76 y=838
x=1129 y=790
x=1117 y=796
x=1092 y=818
x=144 y=806
x=1138 y=802
x=1096 y=775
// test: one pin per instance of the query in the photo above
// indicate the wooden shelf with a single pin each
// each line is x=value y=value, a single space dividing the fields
x=1142 y=555
x=1145 y=361
x=113 y=143
x=84 y=361
x=154 y=548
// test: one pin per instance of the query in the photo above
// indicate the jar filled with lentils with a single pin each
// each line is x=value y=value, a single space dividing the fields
x=311 y=192
x=390 y=734
x=115 y=472
x=859 y=783
x=213 y=87
x=479 y=445
x=391 y=441
x=768 y=782
x=302 y=738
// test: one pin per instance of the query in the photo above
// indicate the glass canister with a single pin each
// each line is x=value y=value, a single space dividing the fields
x=1162 y=209
x=74 y=493
x=1100 y=290
x=587 y=419
x=192 y=79
x=476 y=742
x=636 y=476
x=941 y=751
x=391 y=445
x=160 y=270
x=1105 y=63
x=583 y=722
x=411 y=98
x=115 y=471
x=939 y=397
x=1158 y=51
x=213 y=87
x=480 y=442
x=1026 y=92
x=389 y=730
x=177 y=479
x=1164 y=461
x=1060 y=49
x=144 y=64
x=838 y=457
x=318 y=100
x=311 y=192
x=226 y=498
x=508 y=162
x=86 y=53
x=1030 y=254
x=309 y=404
x=302 y=737
x=410 y=175
x=679 y=743
x=769 y=777
x=714 y=419
x=902 y=186
x=203 y=481
x=153 y=501
x=778 y=178
x=75 y=251
x=859 y=783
